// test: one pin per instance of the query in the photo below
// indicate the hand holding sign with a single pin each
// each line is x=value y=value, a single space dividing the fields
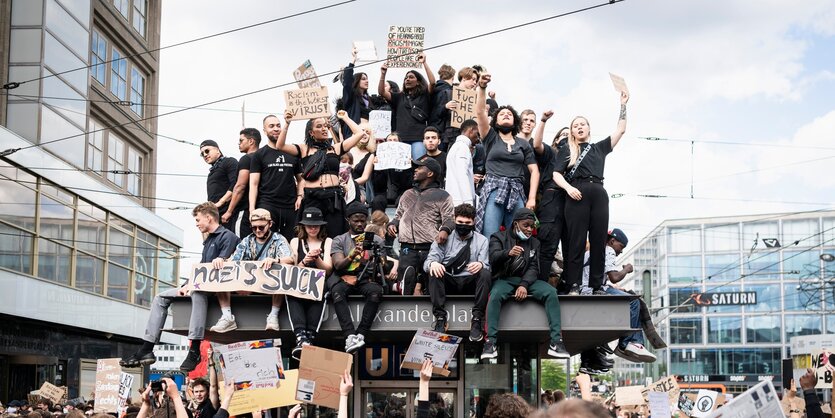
x=619 y=83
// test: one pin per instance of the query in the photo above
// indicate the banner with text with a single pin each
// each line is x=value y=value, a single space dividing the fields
x=300 y=282
x=308 y=103
x=404 y=45
x=436 y=346
x=306 y=77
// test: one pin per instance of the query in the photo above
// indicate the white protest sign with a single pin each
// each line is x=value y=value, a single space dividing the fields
x=366 y=51
x=705 y=403
x=619 y=83
x=760 y=401
x=125 y=383
x=659 y=404
x=466 y=106
x=307 y=103
x=823 y=367
x=396 y=155
x=108 y=373
x=305 y=76
x=252 y=364
x=380 y=121
x=436 y=346
x=629 y=395
x=404 y=44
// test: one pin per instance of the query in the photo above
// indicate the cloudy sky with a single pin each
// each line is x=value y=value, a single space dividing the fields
x=759 y=74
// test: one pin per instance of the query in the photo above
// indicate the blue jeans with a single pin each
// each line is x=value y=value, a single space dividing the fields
x=496 y=215
x=418 y=150
x=634 y=318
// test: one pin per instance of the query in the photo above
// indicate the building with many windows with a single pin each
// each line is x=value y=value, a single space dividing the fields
x=82 y=252
x=728 y=293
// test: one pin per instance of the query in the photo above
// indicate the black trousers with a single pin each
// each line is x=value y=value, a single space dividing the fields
x=373 y=293
x=586 y=218
x=473 y=284
x=284 y=221
x=410 y=269
x=305 y=314
x=331 y=201
x=246 y=227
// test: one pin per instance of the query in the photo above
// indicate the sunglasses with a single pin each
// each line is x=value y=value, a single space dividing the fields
x=260 y=228
x=205 y=152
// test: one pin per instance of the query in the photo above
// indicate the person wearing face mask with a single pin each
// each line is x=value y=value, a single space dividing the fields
x=514 y=255
x=423 y=215
x=460 y=266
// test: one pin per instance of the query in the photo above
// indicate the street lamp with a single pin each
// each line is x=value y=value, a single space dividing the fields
x=827 y=257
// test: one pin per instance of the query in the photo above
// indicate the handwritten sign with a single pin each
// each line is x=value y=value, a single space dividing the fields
x=305 y=76
x=822 y=364
x=629 y=395
x=466 y=106
x=659 y=404
x=252 y=364
x=366 y=51
x=300 y=282
x=320 y=373
x=396 y=155
x=108 y=381
x=667 y=384
x=619 y=82
x=436 y=346
x=307 y=103
x=52 y=392
x=404 y=44
x=244 y=401
x=380 y=121
x=125 y=383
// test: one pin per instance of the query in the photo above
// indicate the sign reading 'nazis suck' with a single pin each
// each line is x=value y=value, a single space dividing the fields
x=249 y=276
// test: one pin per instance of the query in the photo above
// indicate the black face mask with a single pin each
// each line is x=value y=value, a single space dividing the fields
x=464 y=230
x=504 y=129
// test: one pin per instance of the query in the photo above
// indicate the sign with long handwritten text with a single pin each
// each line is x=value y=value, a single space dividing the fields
x=404 y=45
x=380 y=121
x=300 y=282
x=307 y=103
x=108 y=380
x=393 y=155
x=435 y=346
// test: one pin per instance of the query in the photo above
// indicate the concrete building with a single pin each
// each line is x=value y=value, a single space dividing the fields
x=729 y=292
x=82 y=252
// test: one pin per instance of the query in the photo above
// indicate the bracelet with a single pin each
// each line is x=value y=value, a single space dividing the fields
x=543 y=120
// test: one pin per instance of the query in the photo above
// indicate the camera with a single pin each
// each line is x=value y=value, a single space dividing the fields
x=158 y=386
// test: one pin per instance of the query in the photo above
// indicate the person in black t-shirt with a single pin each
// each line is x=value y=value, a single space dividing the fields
x=248 y=143
x=272 y=181
x=414 y=100
x=579 y=172
x=223 y=174
x=205 y=401
x=432 y=142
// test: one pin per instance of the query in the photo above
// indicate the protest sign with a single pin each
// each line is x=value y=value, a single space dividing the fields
x=108 y=374
x=705 y=403
x=320 y=373
x=125 y=383
x=404 y=44
x=629 y=395
x=659 y=404
x=619 y=82
x=296 y=281
x=252 y=364
x=396 y=155
x=466 y=106
x=758 y=402
x=667 y=384
x=308 y=103
x=33 y=398
x=380 y=121
x=366 y=51
x=436 y=346
x=52 y=392
x=822 y=364
x=244 y=401
x=306 y=76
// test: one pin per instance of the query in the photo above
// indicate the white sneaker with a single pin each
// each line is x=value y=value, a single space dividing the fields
x=354 y=343
x=224 y=325
x=639 y=353
x=272 y=323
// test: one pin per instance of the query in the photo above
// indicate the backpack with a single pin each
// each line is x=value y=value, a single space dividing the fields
x=314 y=167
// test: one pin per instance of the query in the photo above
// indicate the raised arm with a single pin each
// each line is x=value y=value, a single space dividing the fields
x=430 y=77
x=281 y=143
x=621 y=128
x=348 y=81
x=381 y=86
x=214 y=396
x=538 y=148
x=481 y=105
x=357 y=133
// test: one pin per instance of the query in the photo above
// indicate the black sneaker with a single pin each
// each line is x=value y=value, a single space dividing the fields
x=599 y=292
x=489 y=350
x=301 y=341
x=440 y=325
x=138 y=359
x=557 y=350
x=592 y=371
x=477 y=330
x=604 y=349
x=191 y=361
x=575 y=290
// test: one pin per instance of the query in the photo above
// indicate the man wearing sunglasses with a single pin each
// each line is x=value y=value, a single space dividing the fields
x=262 y=245
x=223 y=174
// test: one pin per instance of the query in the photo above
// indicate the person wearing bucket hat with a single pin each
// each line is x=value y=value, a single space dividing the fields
x=311 y=248
x=262 y=245
x=514 y=257
x=223 y=174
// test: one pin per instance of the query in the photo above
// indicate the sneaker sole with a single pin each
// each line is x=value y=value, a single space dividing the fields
x=559 y=355
x=270 y=328
x=221 y=331
x=354 y=349
x=147 y=362
x=477 y=340
x=489 y=356
x=643 y=358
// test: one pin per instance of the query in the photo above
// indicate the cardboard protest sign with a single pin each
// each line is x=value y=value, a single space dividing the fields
x=308 y=103
x=667 y=384
x=466 y=106
x=396 y=155
x=629 y=395
x=33 y=398
x=705 y=403
x=366 y=51
x=659 y=404
x=108 y=380
x=380 y=121
x=320 y=373
x=759 y=402
x=52 y=392
x=244 y=401
x=300 y=282
x=436 y=346
x=619 y=82
x=305 y=76
x=252 y=364
x=404 y=45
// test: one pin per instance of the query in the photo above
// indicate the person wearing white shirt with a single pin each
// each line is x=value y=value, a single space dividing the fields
x=459 y=177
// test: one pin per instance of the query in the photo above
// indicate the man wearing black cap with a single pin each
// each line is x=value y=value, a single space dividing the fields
x=352 y=265
x=423 y=215
x=223 y=174
x=514 y=261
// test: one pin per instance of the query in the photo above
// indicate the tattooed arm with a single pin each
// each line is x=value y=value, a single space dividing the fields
x=621 y=128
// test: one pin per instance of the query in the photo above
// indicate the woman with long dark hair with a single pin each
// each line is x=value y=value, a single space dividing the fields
x=579 y=171
x=410 y=109
x=319 y=186
x=355 y=99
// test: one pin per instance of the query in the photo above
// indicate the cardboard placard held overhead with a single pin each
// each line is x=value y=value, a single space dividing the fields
x=244 y=401
x=466 y=106
x=393 y=155
x=300 y=282
x=380 y=121
x=629 y=395
x=108 y=374
x=305 y=76
x=320 y=373
x=619 y=82
x=308 y=103
x=404 y=45
x=52 y=392
x=366 y=51
x=436 y=346
x=252 y=364
x=667 y=384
